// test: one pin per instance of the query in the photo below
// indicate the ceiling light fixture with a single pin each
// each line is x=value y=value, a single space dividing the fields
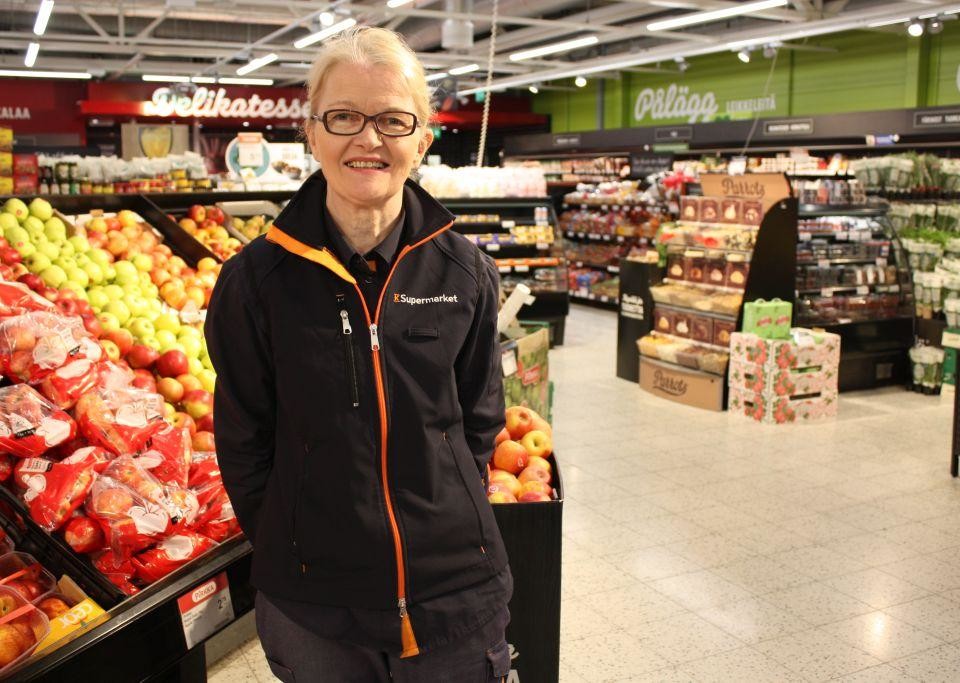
x=580 y=81
x=769 y=50
x=714 y=15
x=203 y=79
x=436 y=77
x=309 y=40
x=935 y=26
x=14 y=73
x=392 y=4
x=744 y=56
x=255 y=64
x=43 y=16
x=325 y=18
x=888 y=22
x=563 y=46
x=245 y=81
x=915 y=29
x=682 y=64
x=31 y=57
x=468 y=68
x=534 y=89
x=162 y=78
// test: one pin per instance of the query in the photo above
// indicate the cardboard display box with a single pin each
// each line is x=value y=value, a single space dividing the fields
x=690 y=387
x=783 y=410
x=812 y=349
x=757 y=379
x=526 y=377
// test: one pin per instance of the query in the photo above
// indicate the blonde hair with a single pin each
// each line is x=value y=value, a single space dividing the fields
x=372 y=46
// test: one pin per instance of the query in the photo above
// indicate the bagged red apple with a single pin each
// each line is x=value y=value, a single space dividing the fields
x=171 y=553
x=66 y=384
x=52 y=496
x=35 y=344
x=128 y=511
x=83 y=534
x=112 y=375
x=118 y=570
x=121 y=420
x=17 y=299
x=29 y=424
x=168 y=454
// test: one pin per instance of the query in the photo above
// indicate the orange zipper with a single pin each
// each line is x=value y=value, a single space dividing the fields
x=407 y=637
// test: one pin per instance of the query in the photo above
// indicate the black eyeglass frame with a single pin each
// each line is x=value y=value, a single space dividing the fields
x=367 y=119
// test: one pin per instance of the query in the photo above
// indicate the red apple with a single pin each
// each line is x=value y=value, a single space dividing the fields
x=142 y=356
x=144 y=379
x=83 y=535
x=215 y=213
x=541 y=424
x=189 y=382
x=122 y=338
x=504 y=435
x=53 y=607
x=197 y=213
x=204 y=442
x=209 y=223
x=519 y=421
x=205 y=423
x=535 y=487
x=10 y=256
x=537 y=443
x=510 y=456
x=506 y=480
x=198 y=403
x=34 y=282
x=184 y=421
x=112 y=501
x=92 y=324
x=534 y=474
x=172 y=363
x=500 y=496
x=170 y=389
x=533 y=497
x=4 y=244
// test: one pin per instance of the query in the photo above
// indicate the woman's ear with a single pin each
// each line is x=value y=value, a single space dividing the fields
x=425 y=141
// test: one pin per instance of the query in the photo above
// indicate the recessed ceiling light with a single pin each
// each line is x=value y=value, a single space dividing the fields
x=580 y=81
x=744 y=56
x=534 y=89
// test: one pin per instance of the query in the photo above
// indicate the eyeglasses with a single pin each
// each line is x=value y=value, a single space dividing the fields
x=393 y=124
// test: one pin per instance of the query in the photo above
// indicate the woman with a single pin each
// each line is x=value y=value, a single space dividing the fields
x=358 y=396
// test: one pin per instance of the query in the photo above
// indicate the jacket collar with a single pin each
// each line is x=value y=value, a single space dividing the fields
x=303 y=217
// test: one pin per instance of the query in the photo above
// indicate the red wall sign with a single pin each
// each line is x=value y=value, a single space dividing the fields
x=30 y=105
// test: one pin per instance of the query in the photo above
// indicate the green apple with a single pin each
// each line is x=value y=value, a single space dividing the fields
x=118 y=309
x=76 y=289
x=41 y=209
x=115 y=292
x=191 y=347
x=156 y=307
x=151 y=342
x=17 y=208
x=109 y=322
x=66 y=249
x=206 y=362
x=7 y=221
x=80 y=244
x=132 y=290
x=100 y=256
x=141 y=328
x=169 y=321
x=54 y=229
x=126 y=272
x=94 y=272
x=137 y=304
x=145 y=279
x=16 y=234
x=143 y=262
x=152 y=292
x=98 y=298
x=208 y=378
x=195 y=365
x=65 y=262
x=109 y=273
x=82 y=260
x=166 y=338
x=50 y=250
x=37 y=262
x=78 y=275
x=34 y=226
x=26 y=249
x=54 y=276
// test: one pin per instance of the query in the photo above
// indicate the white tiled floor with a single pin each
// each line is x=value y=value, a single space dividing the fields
x=700 y=546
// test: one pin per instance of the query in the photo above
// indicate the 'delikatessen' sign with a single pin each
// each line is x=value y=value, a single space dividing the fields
x=210 y=103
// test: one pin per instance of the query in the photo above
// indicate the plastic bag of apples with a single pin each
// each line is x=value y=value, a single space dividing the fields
x=520 y=469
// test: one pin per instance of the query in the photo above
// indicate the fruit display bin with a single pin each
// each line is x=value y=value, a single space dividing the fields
x=532 y=534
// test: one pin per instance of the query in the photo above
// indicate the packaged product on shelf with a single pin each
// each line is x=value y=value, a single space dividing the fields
x=52 y=496
x=663 y=321
x=22 y=573
x=736 y=270
x=722 y=331
x=752 y=212
x=693 y=265
x=805 y=348
x=35 y=344
x=121 y=420
x=927 y=369
x=171 y=553
x=29 y=424
x=709 y=210
x=731 y=211
x=690 y=209
x=22 y=627
x=715 y=269
x=675 y=269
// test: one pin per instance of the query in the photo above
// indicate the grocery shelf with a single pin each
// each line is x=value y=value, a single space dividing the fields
x=515 y=250
x=597 y=237
x=686 y=368
x=838 y=235
x=605 y=206
x=843 y=261
x=596 y=266
x=695 y=311
x=831 y=290
x=601 y=299
x=852 y=210
x=705 y=286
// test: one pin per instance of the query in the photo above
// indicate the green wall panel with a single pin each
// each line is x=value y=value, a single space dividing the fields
x=944 y=72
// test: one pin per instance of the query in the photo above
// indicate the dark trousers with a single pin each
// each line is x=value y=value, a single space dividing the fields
x=297 y=654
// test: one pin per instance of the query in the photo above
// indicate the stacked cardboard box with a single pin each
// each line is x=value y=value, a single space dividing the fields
x=780 y=381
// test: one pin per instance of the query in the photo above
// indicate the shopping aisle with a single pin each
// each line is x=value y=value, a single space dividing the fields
x=702 y=547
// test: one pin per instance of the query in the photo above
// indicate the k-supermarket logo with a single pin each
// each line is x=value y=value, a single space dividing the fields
x=399 y=298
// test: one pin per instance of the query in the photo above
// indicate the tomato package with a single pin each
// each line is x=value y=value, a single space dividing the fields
x=168 y=455
x=65 y=385
x=35 y=344
x=118 y=570
x=52 y=496
x=17 y=299
x=121 y=420
x=22 y=627
x=29 y=424
x=171 y=553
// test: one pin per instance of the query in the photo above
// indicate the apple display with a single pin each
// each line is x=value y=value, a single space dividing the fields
x=510 y=456
x=537 y=443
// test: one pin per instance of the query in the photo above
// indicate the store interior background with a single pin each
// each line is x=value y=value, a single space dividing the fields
x=683 y=543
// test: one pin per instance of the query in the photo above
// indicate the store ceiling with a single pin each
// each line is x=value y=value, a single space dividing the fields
x=215 y=38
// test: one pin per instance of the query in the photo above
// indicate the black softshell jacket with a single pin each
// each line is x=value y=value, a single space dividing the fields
x=353 y=442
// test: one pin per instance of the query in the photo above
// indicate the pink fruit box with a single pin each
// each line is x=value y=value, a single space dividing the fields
x=782 y=410
x=805 y=349
x=781 y=382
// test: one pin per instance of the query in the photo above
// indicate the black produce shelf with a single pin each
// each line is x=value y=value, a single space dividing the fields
x=852 y=210
x=609 y=303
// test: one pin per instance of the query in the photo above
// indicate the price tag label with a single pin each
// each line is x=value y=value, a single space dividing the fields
x=804 y=236
x=881 y=261
x=581 y=235
x=205 y=609
x=604 y=207
x=613 y=269
x=504 y=269
x=606 y=238
x=493 y=246
x=863 y=289
x=604 y=298
x=823 y=263
x=521 y=269
x=951 y=339
x=841 y=235
x=508 y=224
x=594 y=236
x=543 y=245
x=508 y=359
x=826 y=291
x=844 y=320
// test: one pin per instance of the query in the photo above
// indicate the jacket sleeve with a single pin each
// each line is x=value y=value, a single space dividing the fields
x=478 y=370
x=244 y=408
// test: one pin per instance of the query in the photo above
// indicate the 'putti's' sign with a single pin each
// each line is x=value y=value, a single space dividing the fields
x=675 y=102
x=208 y=103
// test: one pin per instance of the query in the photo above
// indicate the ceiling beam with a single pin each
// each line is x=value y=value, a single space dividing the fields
x=148 y=29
